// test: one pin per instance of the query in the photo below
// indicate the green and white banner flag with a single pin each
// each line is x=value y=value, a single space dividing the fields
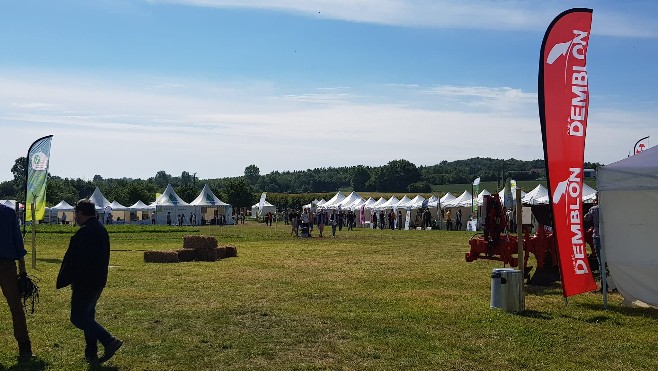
x=38 y=159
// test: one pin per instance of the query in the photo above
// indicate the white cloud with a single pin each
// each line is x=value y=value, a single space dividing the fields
x=510 y=15
x=127 y=128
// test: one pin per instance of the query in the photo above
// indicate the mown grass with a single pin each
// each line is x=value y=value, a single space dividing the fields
x=367 y=300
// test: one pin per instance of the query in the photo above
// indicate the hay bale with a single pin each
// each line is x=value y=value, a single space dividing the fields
x=222 y=253
x=205 y=255
x=186 y=255
x=231 y=251
x=199 y=242
x=160 y=257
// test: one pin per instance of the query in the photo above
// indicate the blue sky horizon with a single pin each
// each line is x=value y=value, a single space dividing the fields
x=131 y=87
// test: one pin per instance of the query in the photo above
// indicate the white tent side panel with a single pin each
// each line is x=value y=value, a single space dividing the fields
x=628 y=227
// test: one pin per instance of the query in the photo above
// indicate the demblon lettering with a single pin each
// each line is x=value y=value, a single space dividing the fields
x=578 y=86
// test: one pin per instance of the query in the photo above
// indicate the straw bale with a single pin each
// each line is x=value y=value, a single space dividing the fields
x=207 y=255
x=186 y=255
x=199 y=242
x=231 y=251
x=160 y=257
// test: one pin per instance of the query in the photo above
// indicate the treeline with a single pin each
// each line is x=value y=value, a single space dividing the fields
x=287 y=188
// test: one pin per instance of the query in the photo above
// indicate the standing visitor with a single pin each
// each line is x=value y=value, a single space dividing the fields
x=448 y=221
x=458 y=220
x=168 y=217
x=334 y=223
x=85 y=267
x=11 y=250
x=592 y=217
x=382 y=220
x=399 y=219
x=153 y=217
x=391 y=220
x=321 y=218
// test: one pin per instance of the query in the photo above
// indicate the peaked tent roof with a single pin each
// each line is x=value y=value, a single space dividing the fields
x=389 y=204
x=533 y=196
x=207 y=198
x=464 y=200
x=442 y=201
x=418 y=201
x=170 y=198
x=589 y=194
x=369 y=203
x=99 y=200
x=501 y=194
x=115 y=205
x=481 y=196
x=321 y=202
x=403 y=203
x=62 y=205
x=380 y=201
x=139 y=205
x=334 y=201
x=349 y=200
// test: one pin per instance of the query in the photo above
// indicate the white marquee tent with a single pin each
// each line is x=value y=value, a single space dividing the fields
x=60 y=209
x=209 y=207
x=533 y=197
x=267 y=208
x=170 y=204
x=464 y=200
x=628 y=199
x=334 y=201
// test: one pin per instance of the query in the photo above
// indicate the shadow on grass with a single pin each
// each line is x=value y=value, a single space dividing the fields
x=554 y=289
x=102 y=368
x=58 y=261
x=34 y=364
x=628 y=311
x=535 y=314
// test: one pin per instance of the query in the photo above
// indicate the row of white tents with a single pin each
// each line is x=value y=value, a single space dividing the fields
x=538 y=196
x=206 y=206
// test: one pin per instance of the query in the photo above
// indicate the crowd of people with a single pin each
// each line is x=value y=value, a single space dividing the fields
x=303 y=222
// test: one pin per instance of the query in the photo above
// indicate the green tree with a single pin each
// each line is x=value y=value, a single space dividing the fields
x=238 y=193
x=252 y=174
x=161 y=179
x=20 y=177
x=360 y=177
x=396 y=176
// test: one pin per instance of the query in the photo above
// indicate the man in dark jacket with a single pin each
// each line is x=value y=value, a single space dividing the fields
x=11 y=250
x=85 y=267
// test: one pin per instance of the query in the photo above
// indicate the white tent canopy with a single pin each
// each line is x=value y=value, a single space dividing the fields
x=501 y=194
x=140 y=206
x=464 y=200
x=533 y=197
x=628 y=198
x=170 y=198
x=207 y=198
x=403 y=203
x=116 y=206
x=381 y=200
x=349 y=200
x=388 y=204
x=62 y=206
x=442 y=201
x=418 y=201
x=334 y=201
x=99 y=200
x=483 y=193
x=267 y=208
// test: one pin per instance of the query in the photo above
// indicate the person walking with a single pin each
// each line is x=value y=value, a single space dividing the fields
x=85 y=268
x=334 y=222
x=11 y=250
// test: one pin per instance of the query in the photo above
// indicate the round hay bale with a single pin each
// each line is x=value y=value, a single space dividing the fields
x=206 y=255
x=160 y=257
x=199 y=242
x=186 y=255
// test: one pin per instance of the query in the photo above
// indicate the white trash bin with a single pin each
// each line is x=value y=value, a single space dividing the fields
x=505 y=283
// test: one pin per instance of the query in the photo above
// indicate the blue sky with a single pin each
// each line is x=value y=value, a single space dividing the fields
x=131 y=87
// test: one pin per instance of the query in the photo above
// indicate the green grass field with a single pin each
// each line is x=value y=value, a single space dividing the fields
x=367 y=300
